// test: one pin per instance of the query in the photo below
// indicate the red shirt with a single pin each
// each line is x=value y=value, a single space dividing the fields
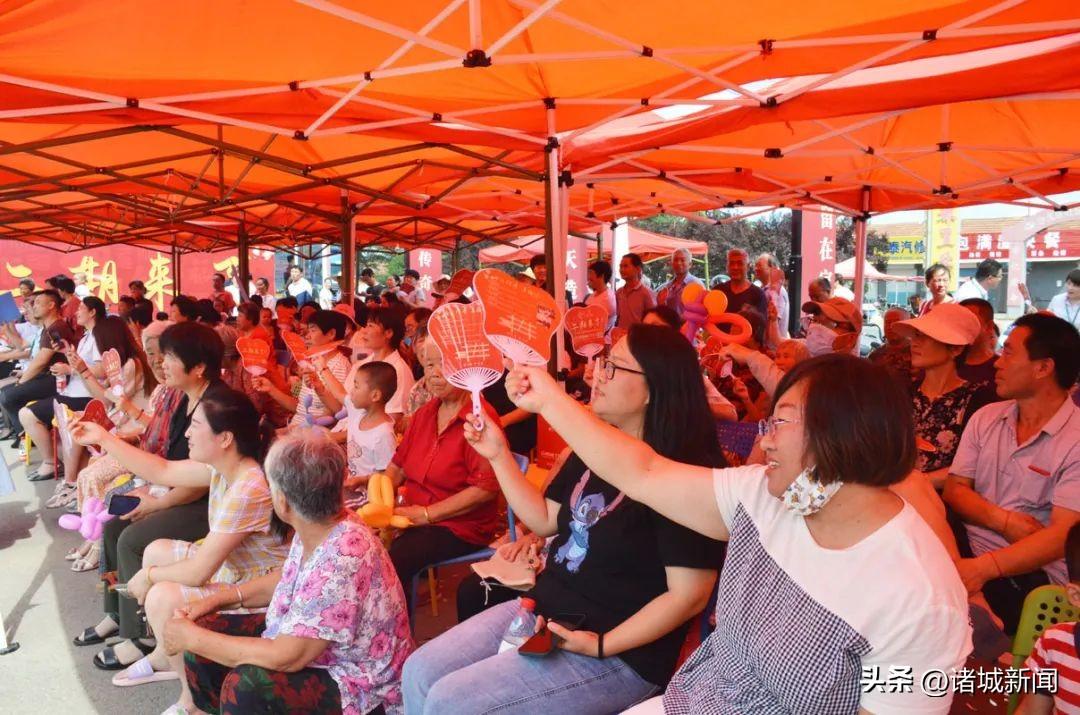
x=438 y=466
x=68 y=311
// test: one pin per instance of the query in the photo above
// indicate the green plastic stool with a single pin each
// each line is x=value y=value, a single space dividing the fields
x=1044 y=607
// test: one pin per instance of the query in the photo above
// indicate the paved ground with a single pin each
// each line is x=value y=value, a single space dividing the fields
x=44 y=604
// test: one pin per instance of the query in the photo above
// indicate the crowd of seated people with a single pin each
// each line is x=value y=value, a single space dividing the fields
x=673 y=572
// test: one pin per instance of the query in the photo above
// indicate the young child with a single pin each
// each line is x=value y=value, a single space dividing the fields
x=370 y=441
x=1057 y=649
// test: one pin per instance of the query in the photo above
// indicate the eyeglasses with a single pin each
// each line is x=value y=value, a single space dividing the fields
x=607 y=368
x=768 y=425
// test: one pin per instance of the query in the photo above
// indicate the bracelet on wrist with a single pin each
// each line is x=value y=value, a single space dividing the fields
x=427 y=516
x=600 y=645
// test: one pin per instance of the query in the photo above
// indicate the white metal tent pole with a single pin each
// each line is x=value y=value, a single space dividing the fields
x=560 y=248
x=860 y=250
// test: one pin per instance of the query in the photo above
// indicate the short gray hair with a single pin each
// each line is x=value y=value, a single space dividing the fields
x=684 y=251
x=308 y=468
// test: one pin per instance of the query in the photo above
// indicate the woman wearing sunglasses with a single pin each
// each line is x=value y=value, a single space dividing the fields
x=833 y=586
x=635 y=577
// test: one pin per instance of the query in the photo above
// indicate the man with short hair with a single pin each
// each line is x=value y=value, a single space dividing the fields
x=978 y=362
x=36 y=382
x=299 y=287
x=987 y=277
x=1015 y=480
x=411 y=292
x=1067 y=305
x=670 y=294
x=634 y=298
x=739 y=290
x=368 y=286
x=599 y=278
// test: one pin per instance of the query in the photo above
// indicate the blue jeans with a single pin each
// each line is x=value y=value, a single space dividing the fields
x=462 y=671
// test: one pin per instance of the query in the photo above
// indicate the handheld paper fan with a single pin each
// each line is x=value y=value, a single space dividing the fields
x=63 y=417
x=519 y=318
x=111 y=360
x=95 y=412
x=255 y=354
x=459 y=284
x=469 y=360
x=296 y=345
x=586 y=327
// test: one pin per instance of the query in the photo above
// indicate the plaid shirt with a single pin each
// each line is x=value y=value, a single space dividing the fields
x=244 y=507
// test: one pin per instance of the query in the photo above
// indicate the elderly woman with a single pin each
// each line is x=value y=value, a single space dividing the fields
x=791 y=636
x=449 y=489
x=336 y=633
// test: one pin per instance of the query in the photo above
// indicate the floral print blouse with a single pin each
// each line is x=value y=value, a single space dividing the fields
x=347 y=593
x=939 y=422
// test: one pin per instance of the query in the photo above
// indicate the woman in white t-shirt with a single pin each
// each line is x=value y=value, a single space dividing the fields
x=379 y=340
x=835 y=596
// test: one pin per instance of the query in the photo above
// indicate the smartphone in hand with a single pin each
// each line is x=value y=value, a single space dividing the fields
x=544 y=641
x=120 y=504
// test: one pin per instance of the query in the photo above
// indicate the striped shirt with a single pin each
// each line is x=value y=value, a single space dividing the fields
x=1056 y=650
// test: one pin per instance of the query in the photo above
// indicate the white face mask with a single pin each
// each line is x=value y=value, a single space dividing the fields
x=819 y=339
x=806 y=495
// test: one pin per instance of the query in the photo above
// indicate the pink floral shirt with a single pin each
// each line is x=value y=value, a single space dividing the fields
x=347 y=593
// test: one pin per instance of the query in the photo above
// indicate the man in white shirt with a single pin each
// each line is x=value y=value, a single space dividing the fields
x=299 y=287
x=987 y=277
x=599 y=279
x=411 y=292
x=1067 y=305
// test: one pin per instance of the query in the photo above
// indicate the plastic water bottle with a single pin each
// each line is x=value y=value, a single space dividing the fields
x=522 y=627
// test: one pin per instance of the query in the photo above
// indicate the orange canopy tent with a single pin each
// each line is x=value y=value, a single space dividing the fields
x=644 y=243
x=285 y=122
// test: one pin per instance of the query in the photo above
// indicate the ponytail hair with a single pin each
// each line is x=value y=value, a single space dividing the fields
x=229 y=410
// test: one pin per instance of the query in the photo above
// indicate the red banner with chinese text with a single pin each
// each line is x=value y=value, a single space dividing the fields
x=818 y=246
x=1046 y=245
x=108 y=270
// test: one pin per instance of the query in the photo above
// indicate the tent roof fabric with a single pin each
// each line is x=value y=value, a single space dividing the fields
x=646 y=244
x=429 y=121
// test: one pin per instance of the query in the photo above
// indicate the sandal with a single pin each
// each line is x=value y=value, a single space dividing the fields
x=77 y=552
x=40 y=476
x=106 y=658
x=65 y=493
x=175 y=709
x=141 y=672
x=89 y=562
x=90 y=636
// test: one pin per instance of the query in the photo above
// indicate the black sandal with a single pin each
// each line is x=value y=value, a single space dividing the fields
x=106 y=659
x=90 y=637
